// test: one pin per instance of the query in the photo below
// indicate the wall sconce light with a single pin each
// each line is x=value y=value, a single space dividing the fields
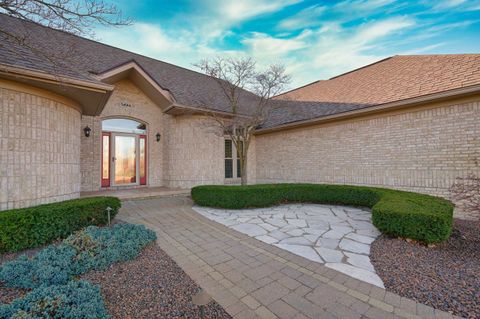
x=87 y=131
x=158 y=137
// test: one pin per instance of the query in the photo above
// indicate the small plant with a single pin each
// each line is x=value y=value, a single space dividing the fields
x=76 y=299
x=88 y=249
x=466 y=191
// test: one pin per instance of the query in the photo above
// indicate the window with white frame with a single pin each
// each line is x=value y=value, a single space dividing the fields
x=232 y=160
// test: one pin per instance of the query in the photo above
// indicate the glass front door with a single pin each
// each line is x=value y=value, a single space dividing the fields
x=124 y=152
x=125 y=160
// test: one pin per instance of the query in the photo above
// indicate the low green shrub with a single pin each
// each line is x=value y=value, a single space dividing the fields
x=92 y=248
x=76 y=299
x=397 y=213
x=39 y=225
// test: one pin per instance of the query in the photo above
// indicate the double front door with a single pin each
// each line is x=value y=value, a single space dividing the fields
x=124 y=159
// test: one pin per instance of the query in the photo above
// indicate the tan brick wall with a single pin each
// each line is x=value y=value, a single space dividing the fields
x=143 y=109
x=39 y=147
x=423 y=149
x=194 y=152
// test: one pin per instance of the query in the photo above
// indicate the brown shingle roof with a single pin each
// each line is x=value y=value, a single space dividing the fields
x=82 y=58
x=393 y=79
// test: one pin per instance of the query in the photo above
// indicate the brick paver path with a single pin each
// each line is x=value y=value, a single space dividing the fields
x=252 y=279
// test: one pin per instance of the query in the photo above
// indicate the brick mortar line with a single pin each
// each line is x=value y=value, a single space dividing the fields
x=201 y=268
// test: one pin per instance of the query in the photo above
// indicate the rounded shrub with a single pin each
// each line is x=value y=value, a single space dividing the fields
x=76 y=299
x=397 y=213
x=92 y=248
x=39 y=225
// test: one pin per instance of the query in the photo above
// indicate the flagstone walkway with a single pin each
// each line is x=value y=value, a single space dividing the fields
x=337 y=236
x=252 y=279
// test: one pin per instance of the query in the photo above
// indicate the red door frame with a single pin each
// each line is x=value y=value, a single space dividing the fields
x=106 y=181
x=143 y=180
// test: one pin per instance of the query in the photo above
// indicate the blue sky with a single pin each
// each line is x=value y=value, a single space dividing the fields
x=314 y=39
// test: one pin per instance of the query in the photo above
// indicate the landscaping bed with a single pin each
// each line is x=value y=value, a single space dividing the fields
x=98 y=273
x=445 y=276
x=150 y=286
x=398 y=213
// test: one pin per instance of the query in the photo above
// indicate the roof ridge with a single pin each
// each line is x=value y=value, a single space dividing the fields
x=363 y=67
x=297 y=88
x=438 y=54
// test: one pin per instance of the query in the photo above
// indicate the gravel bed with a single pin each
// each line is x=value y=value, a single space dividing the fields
x=446 y=276
x=150 y=286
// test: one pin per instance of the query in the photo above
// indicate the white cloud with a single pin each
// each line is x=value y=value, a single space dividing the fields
x=235 y=11
x=213 y=18
x=325 y=47
x=264 y=44
x=182 y=48
x=459 y=5
x=445 y=4
x=307 y=17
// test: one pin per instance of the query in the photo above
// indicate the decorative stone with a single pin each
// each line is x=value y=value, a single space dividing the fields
x=353 y=246
x=267 y=239
x=250 y=229
x=328 y=243
x=360 y=238
x=340 y=236
x=297 y=222
x=357 y=273
x=296 y=241
x=304 y=251
x=330 y=255
x=360 y=261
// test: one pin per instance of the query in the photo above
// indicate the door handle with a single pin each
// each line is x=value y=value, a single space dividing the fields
x=113 y=159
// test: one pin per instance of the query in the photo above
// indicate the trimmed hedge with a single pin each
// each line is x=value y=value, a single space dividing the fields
x=396 y=213
x=35 y=226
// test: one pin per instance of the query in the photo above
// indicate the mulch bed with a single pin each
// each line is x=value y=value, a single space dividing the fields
x=446 y=276
x=150 y=286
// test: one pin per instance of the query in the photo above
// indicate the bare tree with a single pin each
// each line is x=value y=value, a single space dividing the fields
x=77 y=17
x=73 y=16
x=234 y=76
x=466 y=190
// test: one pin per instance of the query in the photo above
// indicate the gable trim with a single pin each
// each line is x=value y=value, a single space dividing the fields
x=111 y=73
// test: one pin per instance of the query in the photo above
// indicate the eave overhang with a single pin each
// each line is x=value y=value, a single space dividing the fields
x=91 y=96
x=177 y=109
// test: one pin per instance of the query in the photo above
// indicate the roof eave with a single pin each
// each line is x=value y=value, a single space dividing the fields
x=90 y=96
x=178 y=109
x=436 y=97
x=58 y=79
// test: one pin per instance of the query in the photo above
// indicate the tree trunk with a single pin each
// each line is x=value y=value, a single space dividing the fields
x=243 y=170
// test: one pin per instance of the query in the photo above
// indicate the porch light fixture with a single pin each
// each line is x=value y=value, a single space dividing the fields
x=87 y=131
x=158 y=137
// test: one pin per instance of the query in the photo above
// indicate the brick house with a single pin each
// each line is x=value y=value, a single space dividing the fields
x=91 y=116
